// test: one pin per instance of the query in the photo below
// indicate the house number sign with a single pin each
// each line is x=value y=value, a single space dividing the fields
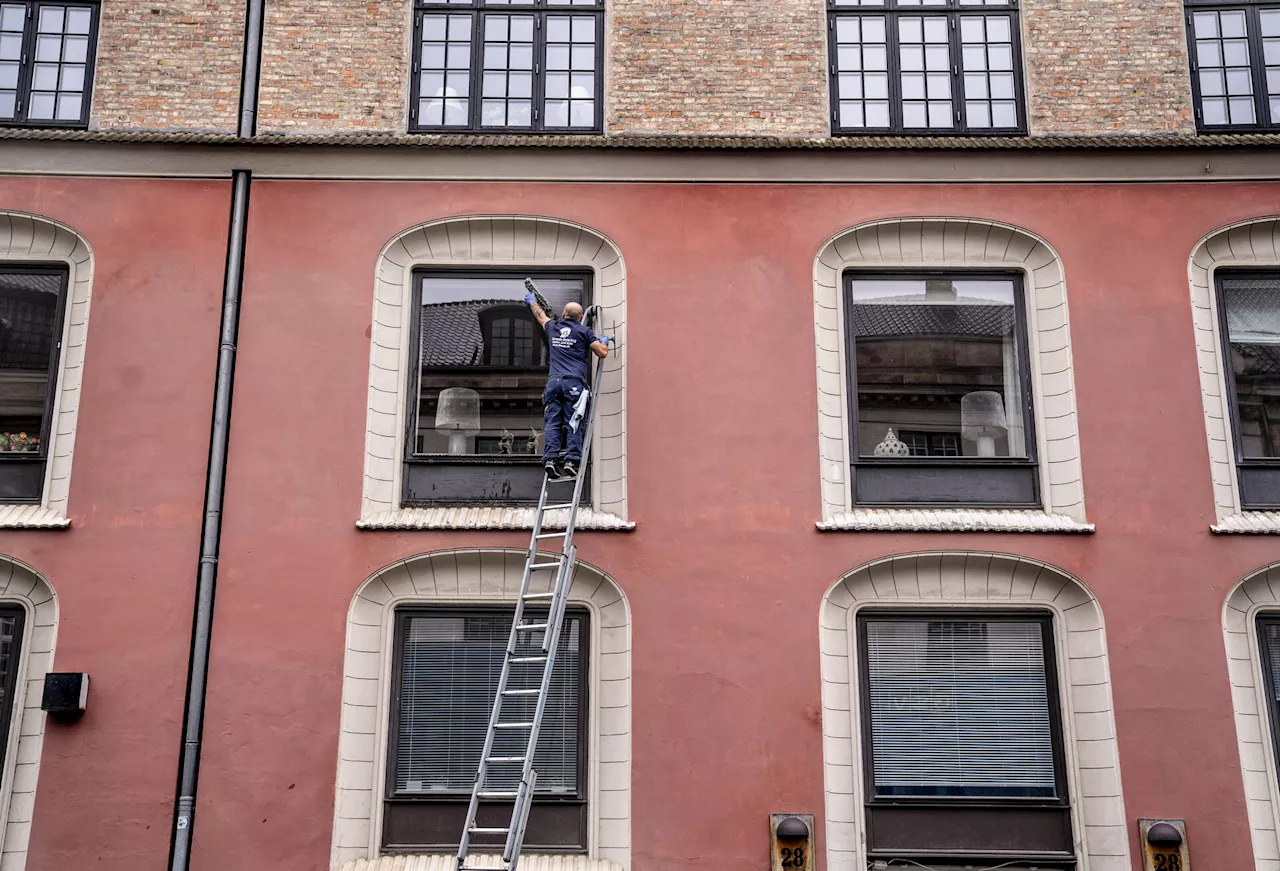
x=1164 y=845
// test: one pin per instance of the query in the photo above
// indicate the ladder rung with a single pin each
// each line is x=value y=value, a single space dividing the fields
x=544 y=566
x=520 y=692
x=557 y=507
x=504 y=759
x=513 y=726
x=529 y=659
x=482 y=830
x=497 y=794
x=482 y=868
x=527 y=626
x=559 y=534
x=538 y=595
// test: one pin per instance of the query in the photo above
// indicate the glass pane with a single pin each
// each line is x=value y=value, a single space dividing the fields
x=1004 y=114
x=940 y=115
x=1231 y=24
x=8 y=74
x=41 y=107
x=49 y=48
x=11 y=46
x=978 y=114
x=29 y=331
x=1253 y=334
x=1241 y=110
x=940 y=356
x=13 y=17
x=1212 y=83
x=1270 y=22
x=557 y=85
x=68 y=107
x=45 y=77
x=8 y=104
x=959 y=708
x=51 y=19
x=1214 y=111
x=483 y=356
x=582 y=113
x=877 y=114
x=450 y=667
x=78 y=21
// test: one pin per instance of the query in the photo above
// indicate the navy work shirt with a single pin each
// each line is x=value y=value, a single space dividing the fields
x=570 y=348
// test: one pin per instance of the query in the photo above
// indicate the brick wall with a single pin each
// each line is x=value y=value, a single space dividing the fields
x=168 y=63
x=717 y=66
x=335 y=65
x=1118 y=66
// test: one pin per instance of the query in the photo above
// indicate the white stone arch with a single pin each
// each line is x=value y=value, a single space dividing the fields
x=1252 y=243
x=22 y=585
x=478 y=576
x=952 y=243
x=968 y=580
x=34 y=239
x=1255 y=593
x=486 y=241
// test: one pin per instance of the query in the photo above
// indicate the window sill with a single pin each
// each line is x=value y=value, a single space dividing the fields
x=1249 y=523
x=32 y=517
x=952 y=520
x=489 y=517
x=448 y=861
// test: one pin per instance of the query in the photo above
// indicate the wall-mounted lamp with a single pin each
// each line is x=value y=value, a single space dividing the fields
x=66 y=694
x=1164 y=845
x=791 y=842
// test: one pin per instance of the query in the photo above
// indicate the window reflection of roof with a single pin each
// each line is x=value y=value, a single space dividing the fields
x=451 y=332
x=923 y=320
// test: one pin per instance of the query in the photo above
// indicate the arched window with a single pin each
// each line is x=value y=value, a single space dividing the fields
x=512 y=337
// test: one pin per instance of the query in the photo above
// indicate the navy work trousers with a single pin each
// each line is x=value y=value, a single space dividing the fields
x=558 y=400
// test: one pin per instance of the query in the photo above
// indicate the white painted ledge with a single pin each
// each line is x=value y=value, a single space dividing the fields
x=446 y=862
x=489 y=517
x=1249 y=523
x=951 y=520
x=32 y=517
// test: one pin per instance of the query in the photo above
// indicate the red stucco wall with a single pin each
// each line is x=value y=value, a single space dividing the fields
x=124 y=572
x=725 y=571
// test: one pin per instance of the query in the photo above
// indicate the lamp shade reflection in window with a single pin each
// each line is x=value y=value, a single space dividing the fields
x=943 y=359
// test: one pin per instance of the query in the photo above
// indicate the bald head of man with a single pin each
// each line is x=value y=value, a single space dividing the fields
x=572 y=312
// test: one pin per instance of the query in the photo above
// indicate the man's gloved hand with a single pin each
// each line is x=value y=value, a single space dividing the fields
x=608 y=340
x=530 y=298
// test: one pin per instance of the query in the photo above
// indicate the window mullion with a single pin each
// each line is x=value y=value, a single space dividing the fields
x=958 y=111
x=477 y=66
x=537 y=92
x=893 y=48
x=27 y=63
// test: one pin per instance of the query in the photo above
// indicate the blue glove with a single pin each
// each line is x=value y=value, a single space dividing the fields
x=530 y=298
x=608 y=340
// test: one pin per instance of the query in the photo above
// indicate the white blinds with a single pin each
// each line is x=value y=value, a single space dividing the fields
x=959 y=708
x=449 y=673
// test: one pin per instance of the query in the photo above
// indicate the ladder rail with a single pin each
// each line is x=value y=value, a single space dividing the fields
x=566 y=565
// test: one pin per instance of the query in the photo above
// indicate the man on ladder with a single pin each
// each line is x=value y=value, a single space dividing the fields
x=566 y=397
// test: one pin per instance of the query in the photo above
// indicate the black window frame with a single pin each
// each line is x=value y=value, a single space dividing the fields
x=27 y=68
x=954 y=482
x=516 y=479
x=1254 y=475
x=1257 y=66
x=1264 y=619
x=18 y=470
x=891 y=11
x=541 y=10
x=926 y=817
x=446 y=813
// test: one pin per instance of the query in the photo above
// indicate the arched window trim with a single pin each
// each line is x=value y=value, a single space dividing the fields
x=1254 y=243
x=34 y=239
x=478 y=577
x=952 y=243
x=488 y=241
x=965 y=581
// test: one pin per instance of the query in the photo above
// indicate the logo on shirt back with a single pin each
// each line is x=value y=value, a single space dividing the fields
x=565 y=331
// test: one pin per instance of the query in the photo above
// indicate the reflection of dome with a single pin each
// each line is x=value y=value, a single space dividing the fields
x=577 y=92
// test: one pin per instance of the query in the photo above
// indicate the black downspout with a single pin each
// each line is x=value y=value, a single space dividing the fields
x=216 y=477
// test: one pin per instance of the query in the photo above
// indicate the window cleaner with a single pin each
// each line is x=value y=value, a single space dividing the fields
x=539 y=615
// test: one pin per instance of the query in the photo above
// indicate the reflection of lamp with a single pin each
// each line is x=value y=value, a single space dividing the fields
x=982 y=420
x=892 y=447
x=458 y=414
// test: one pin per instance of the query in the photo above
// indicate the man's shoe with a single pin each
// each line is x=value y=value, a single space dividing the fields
x=569 y=469
x=550 y=468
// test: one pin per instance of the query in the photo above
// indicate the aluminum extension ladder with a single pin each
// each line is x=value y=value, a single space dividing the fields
x=527 y=666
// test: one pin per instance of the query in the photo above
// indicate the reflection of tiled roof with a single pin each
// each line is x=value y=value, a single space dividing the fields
x=1261 y=359
x=28 y=306
x=870 y=321
x=451 y=334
